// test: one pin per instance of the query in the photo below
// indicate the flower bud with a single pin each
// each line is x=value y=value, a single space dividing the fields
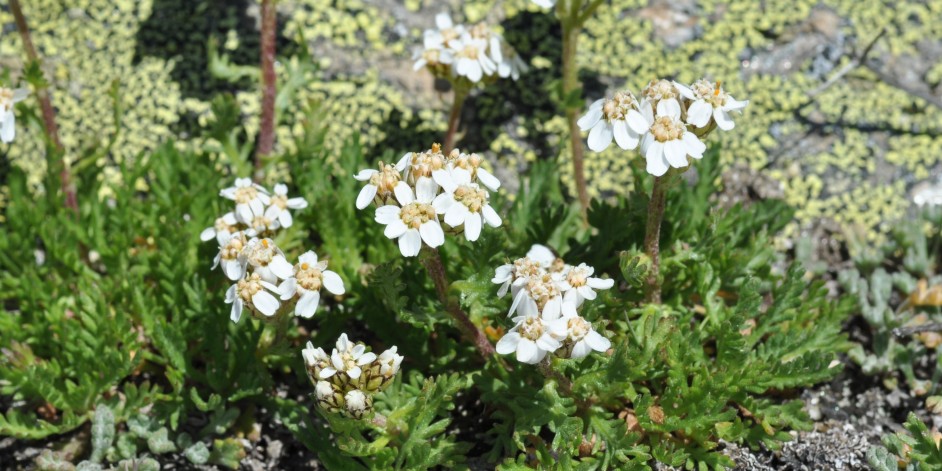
x=359 y=404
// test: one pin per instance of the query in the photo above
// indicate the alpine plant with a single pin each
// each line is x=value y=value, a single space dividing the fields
x=264 y=282
x=547 y=294
x=346 y=380
x=427 y=194
x=473 y=53
x=669 y=122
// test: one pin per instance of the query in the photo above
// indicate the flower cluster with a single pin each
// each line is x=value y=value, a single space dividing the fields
x=264 y=281
x=8 y=98
x=547 y=294
x=474 y=52
x=346 y=380
x=669 y=121
x=425 y=189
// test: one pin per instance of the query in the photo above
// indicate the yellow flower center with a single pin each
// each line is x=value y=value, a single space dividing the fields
x=472 y=196
x=666 y=129
x=249 y=286
x=262 y=253
x=577 y=278
x=280 y=201
x=6 y=98
x=233 y=248
x=415 y=214
x=386 y=179
x=470 y=52
x=531 y=328
x=220 y=225
x=578 y=328
x=618 y=107
x=659 y=90
x=246 y=194
x=542 y=289
x=424 y=163
x=524 y=267
x=711 y=93
x=309 y=277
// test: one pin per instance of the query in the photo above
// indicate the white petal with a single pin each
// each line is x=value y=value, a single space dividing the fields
x=257 y=207
x=491 y=216
x=432 y=233
x=580 y=350
x=699 y=113
x=597 y=341
x=425 y=189
x=623 y=137
x=288 y=288
x=244 y=213
x=676 y=153
x=487 y=179
x=404 y=193
x=281 y=268
x=656 y=164
x=327 y=372
x=333 y=282
x=442 y=202
x=600 y=283
x=694 y=145
x=296 y=203
x=395 y=229
x=600 y=136
x=684 y=90
x=472 y=226
x=461 y=176
x=668 y=107
x=265 y=303
x=443 y=21
x=553 y=308
x=367 y=357
x=285 y=218
x=404 y=161
x=8 y=127
x=387 y=214
x=637 y=123
x=592 y=116
x=568 y=307
x=723 y=121
x=20 y=94
x=307 y=305
x=308 y=257
x=233 y=269
x=733 y=105
x=455 y=215
x=508 y=343
x=527 y=351
x=208 y=234
x=586 y=292
x=410 y=243
x=517 y=299
x=236 y=312
x=366 y=196
x=443 y=178
x=355 y=372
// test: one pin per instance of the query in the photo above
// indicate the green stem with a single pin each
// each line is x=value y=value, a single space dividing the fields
x=461 y=93
x=432 y=260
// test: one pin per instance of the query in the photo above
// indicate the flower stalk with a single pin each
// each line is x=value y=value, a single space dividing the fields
x=48 y=114
x=571 y=83
x=454 y=117
x=432 y=261
x=266 y=136
x=652 y=235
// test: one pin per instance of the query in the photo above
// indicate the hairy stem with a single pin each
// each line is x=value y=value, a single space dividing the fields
x=432 y=260
x=266 y=136
x=454 y=117
x=570 y=84
x=565 y=384
x=48 y=113
x=652 y=235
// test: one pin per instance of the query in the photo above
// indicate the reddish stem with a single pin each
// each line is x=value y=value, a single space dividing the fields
x=652 y=235
x=454 y=117
x=48 y=111
x=266 y=136
x=570 y=84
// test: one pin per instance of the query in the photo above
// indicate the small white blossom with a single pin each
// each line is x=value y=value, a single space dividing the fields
x=668 y=142
x=347 y=358
x=415 y=221
x=8 y=98
x=230 y=256
x=709 y=101
x=251 y=199
x=419 y=165
x=515 y=275
x=282 y=204
x=532 y=338
x=315 y=358
x=472 y=62
x=382 y=184
x=545 y=3
x=305 y=283
x=541 y=295
x=267 y=260
x=583 y=338
x=579 y=285
x=358 y=403
x=464 y=204
x=262 y=222
x=221 y=229
x=472 y=163
x=389 y=362
x=254 y=293
x=619 y=118
x=323 y=390
x=659 y=89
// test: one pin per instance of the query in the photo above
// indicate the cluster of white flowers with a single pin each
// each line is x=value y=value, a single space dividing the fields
x=547 y=294
x=474 y=52
x=264 y=281
x=426 y=188
x=346 y=380
x=669 y=121
x=8 y=98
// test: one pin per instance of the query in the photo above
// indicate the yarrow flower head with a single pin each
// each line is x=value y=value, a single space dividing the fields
x=253 y=293
x=251 y=199
x=429 y=188
x=346 y=380
x=474 y=53
x=305 y=282
x=381 y=184
x=281 y=205
x=547 y=295
x=222 y=229
x=669 y=121
x=8 y=98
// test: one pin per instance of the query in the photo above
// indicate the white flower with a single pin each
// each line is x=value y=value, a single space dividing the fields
x=511 y=65
x=659 y=89
x=418 y=165
x=472 y=163
x=282 y=204
x=250 y=199
x=9 y=97
x=221 y=229
x=541 y=254
x=618 y=118
x=262 y=222
x=668 y=142
x=356 y=402
x=382 y=183
x=709 y=101
x=579 y=285
x=323 y=390
x=347 y=358
x=230 y=255
x=464 y=203
x=532 y=338
x=473 y=61
x=583 y=338
x=541 y=295
x=316 y=359
x=252 y=292
x=267 y=260
x=516 y=274
x=446 y=32
x=545 y=3
x=415 y=221
x=389 y=362
x=308 y=276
